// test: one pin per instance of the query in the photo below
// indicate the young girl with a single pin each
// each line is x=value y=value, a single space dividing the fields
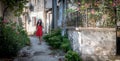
x=39 y=32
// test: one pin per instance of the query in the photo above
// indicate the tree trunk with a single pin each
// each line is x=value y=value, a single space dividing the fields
x=4 y=11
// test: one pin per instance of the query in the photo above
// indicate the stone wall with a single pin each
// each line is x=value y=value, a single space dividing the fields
x=38 y=5
x=1 y=9
x=9 y=15
x=96 y=44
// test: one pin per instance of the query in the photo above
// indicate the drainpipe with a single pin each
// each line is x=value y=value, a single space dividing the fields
x=54 y=11
x=55 y=14
x=52 y=14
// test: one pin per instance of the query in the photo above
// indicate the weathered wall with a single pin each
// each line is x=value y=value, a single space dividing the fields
x=30 y=27
x=48 y=4
x=61 y=10
x=9 y=15
x=38 y=5
x=0 y=9
x=48 y=22
x=94 y=44
x=32 y=17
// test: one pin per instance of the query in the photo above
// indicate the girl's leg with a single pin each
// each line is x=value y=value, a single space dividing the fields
x=40 y=39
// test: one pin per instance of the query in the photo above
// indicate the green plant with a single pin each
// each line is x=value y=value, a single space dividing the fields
x=55 y=32
x=13 y=5
x=72 y=56
x=69 y=11
x=52 y=34
x=46 y=37
x=65 y=45
x=55 y=41
x=14 y=38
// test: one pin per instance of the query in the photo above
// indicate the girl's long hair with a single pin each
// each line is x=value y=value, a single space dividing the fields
x=39 y=22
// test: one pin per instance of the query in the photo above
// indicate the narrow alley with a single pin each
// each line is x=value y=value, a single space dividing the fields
x=70 y=30
x=37 y=52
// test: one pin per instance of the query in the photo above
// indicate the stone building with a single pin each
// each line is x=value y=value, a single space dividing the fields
x=33 y=12
x=54 y=14
x=38 y=9
x=48 y=15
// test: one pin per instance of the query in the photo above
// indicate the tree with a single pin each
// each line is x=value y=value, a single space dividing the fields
x=108 y=10
x=14 y=5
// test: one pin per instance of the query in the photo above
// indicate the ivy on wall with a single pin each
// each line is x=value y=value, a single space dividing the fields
x=103 y=17
x=14 y=5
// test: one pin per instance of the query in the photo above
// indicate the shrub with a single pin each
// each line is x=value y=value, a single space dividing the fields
x=46 y=37
x=14 y=38
x=56 y=32
x=53 y=33
x=65 y=46
x=54 y=38
x=61 y=42
x=55 y=41
x=72 y=56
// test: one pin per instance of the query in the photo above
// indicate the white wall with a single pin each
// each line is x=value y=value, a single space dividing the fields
x=39 y=15
x=48 y=22
x=48 y=4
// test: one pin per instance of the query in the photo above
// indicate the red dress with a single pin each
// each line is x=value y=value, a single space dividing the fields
x=39 y=31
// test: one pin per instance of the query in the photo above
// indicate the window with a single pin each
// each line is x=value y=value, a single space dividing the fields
x=33 y=21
